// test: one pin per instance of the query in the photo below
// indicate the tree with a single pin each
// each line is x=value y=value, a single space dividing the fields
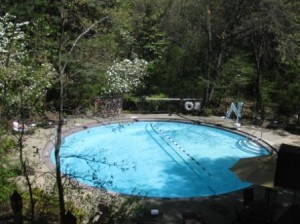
x=219 y=20
x=262 y=31
x=7 y=170
x=23 y=84
x=63 y=21
x=125 y=76
x=202 y=30
x=236 y=76
x=61 y=65
x=60 y=21
x=289 y=50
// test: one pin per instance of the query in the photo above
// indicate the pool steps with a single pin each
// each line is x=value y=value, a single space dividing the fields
x=249 y=145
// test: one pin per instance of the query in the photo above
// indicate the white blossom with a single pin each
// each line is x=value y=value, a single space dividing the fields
x=20 y=84
x=125 y=76
x=11 y=34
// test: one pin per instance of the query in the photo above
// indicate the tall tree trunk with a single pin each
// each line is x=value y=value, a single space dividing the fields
x=24 y=171
x=58 y=141
x=23 y=162
x=59 y=183
x=258 y=55
x=57 y=156
x=209 y=56
x=61 y=66
x=31 y=199
x=259 y=103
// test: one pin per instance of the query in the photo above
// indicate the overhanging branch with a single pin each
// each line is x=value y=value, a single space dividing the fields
x=79 y=37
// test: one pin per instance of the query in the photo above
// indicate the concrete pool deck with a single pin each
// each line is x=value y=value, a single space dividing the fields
x=217 y=209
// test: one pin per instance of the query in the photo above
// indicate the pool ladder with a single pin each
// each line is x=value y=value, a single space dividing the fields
x=253 y=136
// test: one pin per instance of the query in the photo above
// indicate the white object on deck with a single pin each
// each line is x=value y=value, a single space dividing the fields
x=154 y=212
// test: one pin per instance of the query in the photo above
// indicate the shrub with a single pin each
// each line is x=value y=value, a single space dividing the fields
x=206 y=111
x=6 y=170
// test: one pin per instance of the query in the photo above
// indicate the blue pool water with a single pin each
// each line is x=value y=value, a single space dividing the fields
x=157 y=158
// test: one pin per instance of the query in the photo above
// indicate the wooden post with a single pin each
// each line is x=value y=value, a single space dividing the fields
x=70 y=218
x=17 y=205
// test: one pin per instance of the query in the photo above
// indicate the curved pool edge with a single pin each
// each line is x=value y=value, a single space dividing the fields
x=49 y=147
x=46 y=151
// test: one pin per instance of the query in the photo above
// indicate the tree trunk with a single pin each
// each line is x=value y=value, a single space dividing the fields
x=258 y=56
x=32 y=202
x=259 y=100
x=57 y=156
x=24 y=170
x=61 y=73
x=16 y=203
x=58 y=141
x=206 y=97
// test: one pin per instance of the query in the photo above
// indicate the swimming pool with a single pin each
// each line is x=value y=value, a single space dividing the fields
x=162 y=159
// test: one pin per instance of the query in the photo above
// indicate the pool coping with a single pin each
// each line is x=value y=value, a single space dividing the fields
x=47 y=149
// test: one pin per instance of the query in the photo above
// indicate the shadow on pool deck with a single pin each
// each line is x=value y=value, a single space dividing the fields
x=216 y=210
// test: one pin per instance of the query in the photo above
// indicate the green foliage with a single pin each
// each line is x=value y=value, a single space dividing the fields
x=167 y=71
x=206 y=111
x=25 y=86
x=235 y=76
x=150 y=41
x=6 y=169
x=193 y=47
x=268 y=92
x=156 y=105
x=288 y=91
x=24 y=83
x=46 y=206
x=77 y=211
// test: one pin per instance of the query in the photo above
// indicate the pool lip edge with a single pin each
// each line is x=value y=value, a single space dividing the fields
x=49 y=147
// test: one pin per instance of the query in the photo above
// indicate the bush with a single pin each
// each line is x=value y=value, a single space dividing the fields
x=206 y=111
x=6 y=170
x=46 y=206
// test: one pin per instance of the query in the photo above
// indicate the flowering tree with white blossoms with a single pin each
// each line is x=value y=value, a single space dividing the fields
x=125 y=76
x=12 y=38
x=22 y=83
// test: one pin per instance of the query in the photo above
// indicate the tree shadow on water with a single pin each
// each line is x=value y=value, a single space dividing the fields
x=188 y=179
